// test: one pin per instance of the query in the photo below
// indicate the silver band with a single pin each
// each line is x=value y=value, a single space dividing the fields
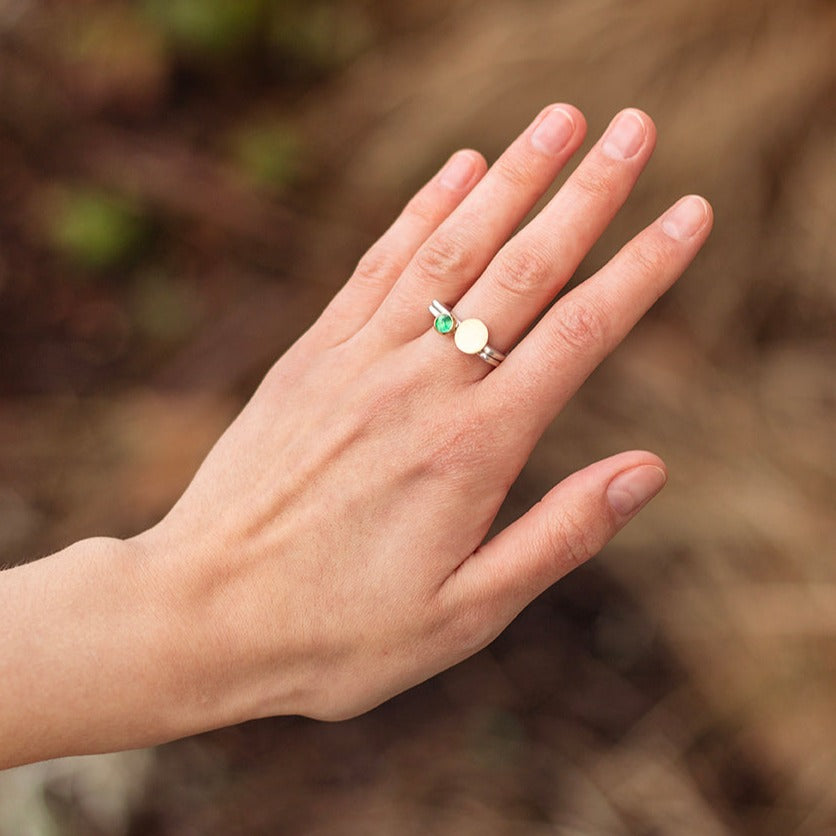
x=490 y=355
x=437 y=309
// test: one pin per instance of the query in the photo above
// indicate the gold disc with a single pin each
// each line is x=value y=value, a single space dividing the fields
x=471 y=336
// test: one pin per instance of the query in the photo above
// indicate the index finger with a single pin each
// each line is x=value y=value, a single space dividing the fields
x=548 y=366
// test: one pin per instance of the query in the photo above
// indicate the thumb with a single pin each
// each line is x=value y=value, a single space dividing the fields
x=569 y=525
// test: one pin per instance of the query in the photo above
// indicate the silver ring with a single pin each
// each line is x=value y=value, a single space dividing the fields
x=470 y=335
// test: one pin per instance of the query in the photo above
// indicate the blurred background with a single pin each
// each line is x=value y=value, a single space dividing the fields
x=183 y=186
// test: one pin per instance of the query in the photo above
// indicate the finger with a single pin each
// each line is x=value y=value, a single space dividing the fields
x=381 y=266
x=536 y=263
x=569 y=525
x=558 y=354
x=459 y=250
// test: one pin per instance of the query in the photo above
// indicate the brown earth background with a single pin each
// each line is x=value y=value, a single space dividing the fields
x=183 y=186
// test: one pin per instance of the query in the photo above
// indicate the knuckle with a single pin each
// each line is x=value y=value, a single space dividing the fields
x=522 y=271
x=378 y=263
x=579 y=326
x=597 y=182
x=423 y=208
x=443 y=255
x=517 y=173
x=570 y=542
x=648 y=258
x=468 y=630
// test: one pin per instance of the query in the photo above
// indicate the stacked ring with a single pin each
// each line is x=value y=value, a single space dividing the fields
x=470 y=335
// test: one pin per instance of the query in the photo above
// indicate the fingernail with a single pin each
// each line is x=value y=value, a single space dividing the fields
x=685 y=218
x=633 y=488
x=625 y=136
x=458 y=171
x=554 y=131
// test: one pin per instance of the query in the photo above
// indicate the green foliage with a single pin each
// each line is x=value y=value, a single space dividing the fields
x=304 y=35
x=208 y=26
x=96 y=229
x=268 y=153
x=317 y=33
x=163 y=308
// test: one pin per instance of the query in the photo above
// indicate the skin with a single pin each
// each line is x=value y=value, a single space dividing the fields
x=330 y=551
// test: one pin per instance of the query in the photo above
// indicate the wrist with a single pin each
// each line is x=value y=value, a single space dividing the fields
x=86 y=664
x=224 y=656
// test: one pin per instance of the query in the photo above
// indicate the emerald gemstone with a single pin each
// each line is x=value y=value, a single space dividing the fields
x=444 y=324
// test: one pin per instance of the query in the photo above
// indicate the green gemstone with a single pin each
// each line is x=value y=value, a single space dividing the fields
x=444 y=324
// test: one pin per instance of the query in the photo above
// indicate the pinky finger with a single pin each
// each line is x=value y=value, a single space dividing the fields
x=381 y=266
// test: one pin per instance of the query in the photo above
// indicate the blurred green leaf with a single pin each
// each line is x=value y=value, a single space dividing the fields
x=319 y=34
x=164 y=309
x=269 y=154
x=498 y=737
x=208 y=26
x=94 y=228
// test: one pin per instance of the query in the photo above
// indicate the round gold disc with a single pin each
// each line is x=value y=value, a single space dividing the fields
x=471 y=336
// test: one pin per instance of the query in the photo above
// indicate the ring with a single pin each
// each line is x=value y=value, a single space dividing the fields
x=470 y=335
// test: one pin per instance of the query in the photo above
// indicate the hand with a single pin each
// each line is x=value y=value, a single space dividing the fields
x=329 y=553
